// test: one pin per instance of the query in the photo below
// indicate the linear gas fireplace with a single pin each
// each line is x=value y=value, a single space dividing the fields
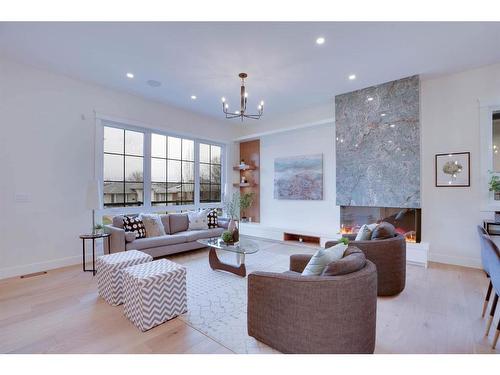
x=405 y=220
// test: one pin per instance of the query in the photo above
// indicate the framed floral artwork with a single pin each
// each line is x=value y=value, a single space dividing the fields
x=453 y=169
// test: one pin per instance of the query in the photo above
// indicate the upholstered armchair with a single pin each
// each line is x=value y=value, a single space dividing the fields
x=313 y=314
x=389 y=255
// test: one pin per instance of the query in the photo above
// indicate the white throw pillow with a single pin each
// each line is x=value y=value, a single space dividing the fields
x=198 y=219
x=152 y=223
x=364 y=234
x=322 y=258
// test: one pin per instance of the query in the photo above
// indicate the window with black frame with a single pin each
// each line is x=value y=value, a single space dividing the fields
x=123 y=182
x=210 y=173
x=172 y=170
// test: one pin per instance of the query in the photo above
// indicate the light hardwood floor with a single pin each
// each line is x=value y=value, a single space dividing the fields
x=60 y=312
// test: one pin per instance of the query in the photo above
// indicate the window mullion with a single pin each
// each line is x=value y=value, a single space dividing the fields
x=146 y=165
x=197 y=189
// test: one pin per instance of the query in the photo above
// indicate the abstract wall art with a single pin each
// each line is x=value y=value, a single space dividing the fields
x=299 y=177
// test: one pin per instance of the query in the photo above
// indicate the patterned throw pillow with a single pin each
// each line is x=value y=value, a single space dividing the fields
x=198 y=220
x=213 y=221
x=134 y=224
x=153 y=225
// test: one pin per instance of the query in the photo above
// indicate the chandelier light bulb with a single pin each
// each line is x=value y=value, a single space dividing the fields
x=262 y=103
x=246 y=94
x=223 y=100
x=226 y=106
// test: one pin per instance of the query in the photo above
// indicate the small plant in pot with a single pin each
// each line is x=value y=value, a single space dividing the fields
x=227 y=237
x=98 y=229
x=494 y=185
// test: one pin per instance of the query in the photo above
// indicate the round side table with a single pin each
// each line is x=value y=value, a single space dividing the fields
x=93 y=237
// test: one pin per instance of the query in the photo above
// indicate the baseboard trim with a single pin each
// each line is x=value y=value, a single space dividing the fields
x=46 y=266
x=455 y=260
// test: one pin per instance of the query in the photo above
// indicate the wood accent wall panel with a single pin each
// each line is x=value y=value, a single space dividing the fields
x=250 y=152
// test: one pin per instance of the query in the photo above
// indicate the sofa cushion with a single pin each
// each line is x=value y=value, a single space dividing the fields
x=152 y=223
x=134 y=224
x=146 y=243
x=322 y=258
x=194 y=235
x=383 y=231
x=178 y=222
x=354 y=259
x=118 y=221
x=129 y=236
x=166 y=223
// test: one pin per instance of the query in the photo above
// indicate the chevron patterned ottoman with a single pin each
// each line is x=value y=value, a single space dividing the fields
x=154 y=293
x=110 y=273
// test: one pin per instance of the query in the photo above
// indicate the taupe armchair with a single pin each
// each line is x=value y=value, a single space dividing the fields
x=313 y=314
x=389 y=255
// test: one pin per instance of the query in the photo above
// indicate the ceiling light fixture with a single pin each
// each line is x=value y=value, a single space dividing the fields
x=130 y=75
x=370 y=98
x=352 y=77
x=243 y=104
x=320 y=40
x=193 y=97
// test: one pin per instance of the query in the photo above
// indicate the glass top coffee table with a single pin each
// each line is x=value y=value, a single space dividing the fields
x=242 y=248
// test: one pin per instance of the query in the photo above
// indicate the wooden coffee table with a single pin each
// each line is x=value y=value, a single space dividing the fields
x=242 y=248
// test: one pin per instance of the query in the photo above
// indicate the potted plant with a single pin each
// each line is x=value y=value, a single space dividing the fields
x=246 y=201
x=494 y=185
x=227 y=237
x=98 y=229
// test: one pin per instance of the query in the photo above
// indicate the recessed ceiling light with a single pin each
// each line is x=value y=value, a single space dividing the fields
x=392 y=125
x=320 y=40
x=130 y=75
x=382 y=114
x=193 y=97
x=369 y=99
x=352 y=77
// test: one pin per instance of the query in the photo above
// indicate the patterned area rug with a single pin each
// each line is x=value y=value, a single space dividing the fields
x=217 y=300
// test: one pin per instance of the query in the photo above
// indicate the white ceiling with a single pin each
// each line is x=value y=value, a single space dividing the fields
x=286 y=68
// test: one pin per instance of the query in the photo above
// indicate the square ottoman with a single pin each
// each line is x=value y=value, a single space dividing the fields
x=110 y=273
x=154 y=293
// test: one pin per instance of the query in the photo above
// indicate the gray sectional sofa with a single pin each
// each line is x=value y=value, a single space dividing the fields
x=178 y=239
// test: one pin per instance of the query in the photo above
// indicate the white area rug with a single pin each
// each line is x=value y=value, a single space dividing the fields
x=217 y=300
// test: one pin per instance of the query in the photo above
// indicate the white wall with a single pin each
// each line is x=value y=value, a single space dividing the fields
x=46 y=155
x=320 y=217
x=450 y=123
